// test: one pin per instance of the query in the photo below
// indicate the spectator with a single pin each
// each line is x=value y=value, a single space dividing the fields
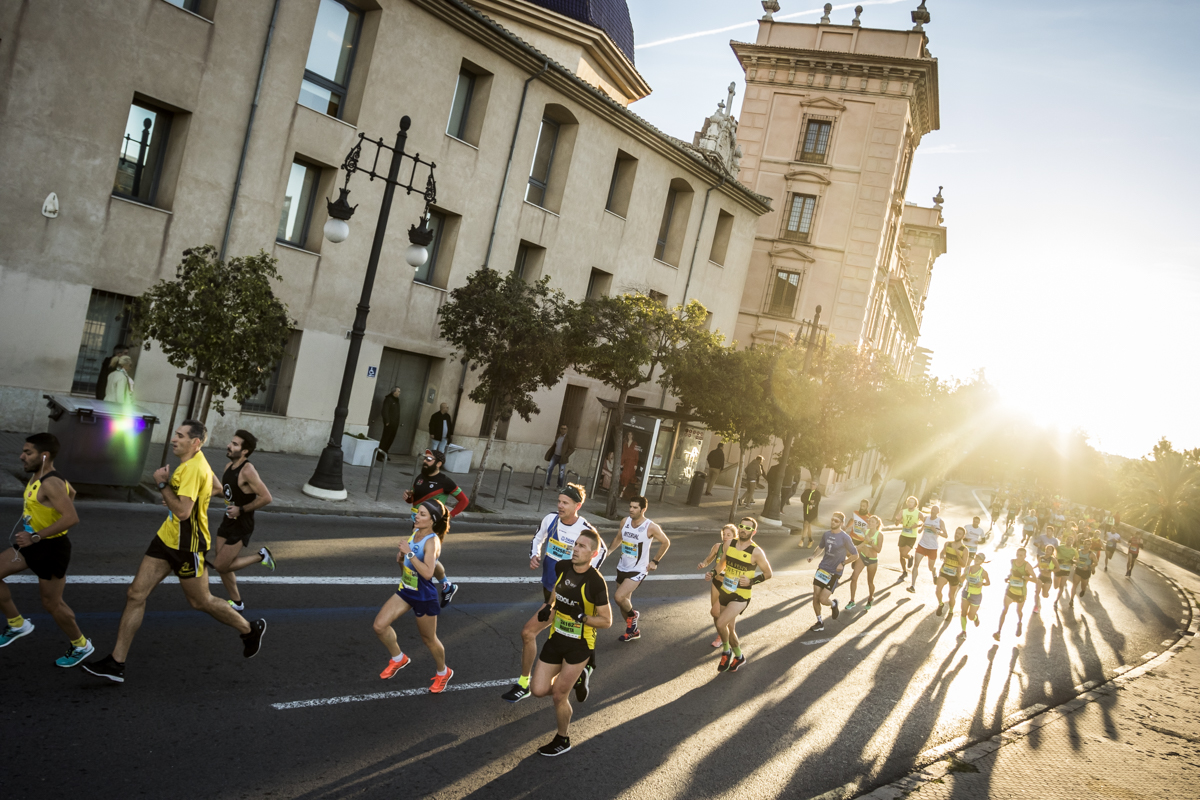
x=810 y=499
x=389 y=413
x=629 y=463
x=876 y=480
x=791 y=479
x=106 y=368
x=441 y=428
x=119 y=386
x=559 y=454
x=754 y=474
x=716 y=463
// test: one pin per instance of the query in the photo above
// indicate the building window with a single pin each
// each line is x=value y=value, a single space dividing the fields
x=543 y=160
x=529 y=261
x=187 y=5
x=330 y=58
x=425 y=272
x=273 y=398
x=673 y=226
x=620 y=186
x=298 y=204
x=798 y=224
x=105 y=328
x=720 y=244
x=664 y=227
x=783 y=294
x=142 y=150
x=599 y=284
x=658 y=297
x=814 y=146
x=460 y=107
x=485 y=427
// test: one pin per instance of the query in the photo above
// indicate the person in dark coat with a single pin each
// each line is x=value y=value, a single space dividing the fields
x=389 y=413
x=716 y=463
x=559 y=454
x=106 y=368
x=441 y=428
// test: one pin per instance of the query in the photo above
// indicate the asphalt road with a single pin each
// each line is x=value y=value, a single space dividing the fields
x=806 y=714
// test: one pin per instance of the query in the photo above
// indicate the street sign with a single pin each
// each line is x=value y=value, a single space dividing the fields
x=371 y=371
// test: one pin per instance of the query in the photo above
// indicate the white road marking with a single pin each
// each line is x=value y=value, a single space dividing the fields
x=351 y=580
x=359 y=698
x=1149 y=655
x=983 y=506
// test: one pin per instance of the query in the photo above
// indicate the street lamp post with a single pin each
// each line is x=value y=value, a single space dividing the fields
x=326 y=481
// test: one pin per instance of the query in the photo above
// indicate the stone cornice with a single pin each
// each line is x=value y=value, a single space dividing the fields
x=800 y=174
x=791 y=252
x=913 y=79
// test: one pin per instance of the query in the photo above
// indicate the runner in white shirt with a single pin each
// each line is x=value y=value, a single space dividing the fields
x=932 y=527
x=975 y=536
x=633 y=543
x=1111 y=540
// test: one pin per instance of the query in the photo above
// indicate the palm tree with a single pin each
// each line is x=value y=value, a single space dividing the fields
x=1161 y=494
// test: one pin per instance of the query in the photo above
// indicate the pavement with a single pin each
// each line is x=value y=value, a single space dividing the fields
x=521 y=502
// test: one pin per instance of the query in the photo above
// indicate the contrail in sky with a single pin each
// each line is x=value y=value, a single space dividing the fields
x=755 y=22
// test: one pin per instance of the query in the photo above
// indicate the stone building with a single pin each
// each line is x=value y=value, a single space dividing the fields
x=165 y=124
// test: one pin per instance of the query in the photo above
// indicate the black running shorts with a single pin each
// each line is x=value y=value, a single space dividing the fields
x=237 y=531
x=183 y=564
x=48 y=558
x=564 y=649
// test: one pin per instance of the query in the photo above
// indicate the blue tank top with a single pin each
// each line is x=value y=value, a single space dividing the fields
x=412 y=585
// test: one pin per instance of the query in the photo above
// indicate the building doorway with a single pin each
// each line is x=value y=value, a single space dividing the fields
x=572 y=410
x=410 y=372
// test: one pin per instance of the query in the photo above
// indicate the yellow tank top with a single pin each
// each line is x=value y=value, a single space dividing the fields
x=738 y=564
x=909 y=521
x=40 y=516
x=975 y=580
x=951 y=558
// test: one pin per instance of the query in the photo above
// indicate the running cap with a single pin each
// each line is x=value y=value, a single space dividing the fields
x=570 y=491
x=438 y=455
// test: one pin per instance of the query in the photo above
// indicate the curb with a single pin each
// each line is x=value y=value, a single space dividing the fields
x=935 y=763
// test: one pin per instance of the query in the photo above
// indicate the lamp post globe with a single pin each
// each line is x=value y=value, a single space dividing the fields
x=336 y=230
x=416 y=255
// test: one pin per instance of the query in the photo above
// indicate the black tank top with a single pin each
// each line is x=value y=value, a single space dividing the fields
x=233 y=493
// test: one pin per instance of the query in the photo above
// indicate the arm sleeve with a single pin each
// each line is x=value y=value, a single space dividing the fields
x=539 y=538
x=460 y=503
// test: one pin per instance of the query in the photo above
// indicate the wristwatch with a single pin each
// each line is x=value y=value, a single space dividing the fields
x=655 y=561
x=37 y=537
x=162 y=485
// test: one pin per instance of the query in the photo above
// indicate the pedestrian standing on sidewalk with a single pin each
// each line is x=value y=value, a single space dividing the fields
x=441 y=428
x=389 y=414
x=244 y=493
x=716 y=463
x=559 y=454
x=106 y=368
x=754 y=474
x=876 y=482
x=810 y=499
x=119 y=388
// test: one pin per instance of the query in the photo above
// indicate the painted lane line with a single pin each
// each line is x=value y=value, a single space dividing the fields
x=353 y=580
x=359 y=698
x=1147 y=656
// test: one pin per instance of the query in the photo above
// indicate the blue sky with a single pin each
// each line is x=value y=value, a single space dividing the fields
x=1066 y=149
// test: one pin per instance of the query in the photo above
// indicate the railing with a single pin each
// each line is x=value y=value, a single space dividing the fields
x=374 y=457
x=532 y=485
x=499 y=479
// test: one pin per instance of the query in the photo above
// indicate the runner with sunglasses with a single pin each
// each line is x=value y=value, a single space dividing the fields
x=743 y=559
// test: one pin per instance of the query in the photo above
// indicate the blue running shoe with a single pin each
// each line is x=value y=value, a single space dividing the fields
x=75 y=655
x=11 y=634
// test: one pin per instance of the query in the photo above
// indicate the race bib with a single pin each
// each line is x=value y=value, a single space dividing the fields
x=629 y=548
x=949 y=571
x=730 y=583
x=557 y=550
x=823 y=577
x=408 y=578
x=566 y=626
x=1016 y=583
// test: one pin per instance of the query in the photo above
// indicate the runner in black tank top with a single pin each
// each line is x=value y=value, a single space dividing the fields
x=244 y=492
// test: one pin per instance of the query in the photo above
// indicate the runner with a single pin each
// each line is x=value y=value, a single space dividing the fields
x=1020 y=573
x=42 y=547
x=1085 y=562
x=742 y=558
x=579 y=606
x=1047 y=566
x=244 y=493
x=178 y=548
x=1132 y=551
x=868 y=553
x=972 y=593
x=716 y=557
x=955 y=558
x=859 y=525
x=1010 y=515
x=975 y=537
x=1108 y=524
x=633 y=542
x=994 y=512
x=1029 y=526
x=433 y=484
x=1066 y=554
x=932 y=527
x=910 y=520
x=811 y=500
x=417 y=593
x=555 y=537
x=1111 y=540
x=836 y=547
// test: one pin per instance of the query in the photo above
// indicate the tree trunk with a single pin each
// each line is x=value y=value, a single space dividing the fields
x=618 y=436
x=879 y=495
x=483 y=460
x=737 y=480
x=773 y=505
x=903 y=497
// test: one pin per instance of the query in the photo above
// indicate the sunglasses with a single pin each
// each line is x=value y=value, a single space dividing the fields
x=745 y=528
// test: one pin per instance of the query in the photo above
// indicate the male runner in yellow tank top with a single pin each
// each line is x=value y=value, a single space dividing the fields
x=742 y=559
x=42 y=546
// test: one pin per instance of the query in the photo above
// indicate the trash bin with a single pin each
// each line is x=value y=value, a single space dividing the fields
x=458 y=460
x=100 y=442
x=696 y=490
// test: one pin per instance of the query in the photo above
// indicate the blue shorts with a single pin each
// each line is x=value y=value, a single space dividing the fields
x=422 y=608
x=973 y=599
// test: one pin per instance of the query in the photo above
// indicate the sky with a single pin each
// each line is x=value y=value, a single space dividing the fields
x=1067 y=149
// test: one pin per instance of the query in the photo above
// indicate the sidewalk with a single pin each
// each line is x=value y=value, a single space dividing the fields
x=286 y=473
x=1137 y=736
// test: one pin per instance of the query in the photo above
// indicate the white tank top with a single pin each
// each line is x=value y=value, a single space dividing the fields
x=635 y=546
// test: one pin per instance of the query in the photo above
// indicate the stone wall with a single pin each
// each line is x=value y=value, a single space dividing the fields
x=1174 y=552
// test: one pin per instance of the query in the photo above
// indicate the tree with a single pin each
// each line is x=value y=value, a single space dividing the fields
x=1161 y=493
x=791 y=394
x=621 y=340
x=516 y=333
x=916 y=434
x=218 y=320
x=725 y=388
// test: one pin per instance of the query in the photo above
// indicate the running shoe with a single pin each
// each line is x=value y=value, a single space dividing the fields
x=1037 y=609
x=394 y=666
x=903 y=577
x=976 y=620
x=717 y=642
x=1018 y=629
x=736 y=662
x=448 y=594
x=440 y=681
x=996 y=636
x=867 y=607
x=632 y=621
x=11 y=634
x=253 y=639
x=910 y=562
x=516 y=694
x=820 y=626
x=629 y=636
x=962 y=637
x=833 y=605
x=75 y=655
x=106 y=668
x=850 y=605
x=268 y=560
x=236 y=605
x=940 y=608
x=558 y=745
x=911 y=590
x=583 y=684
x=723 y=664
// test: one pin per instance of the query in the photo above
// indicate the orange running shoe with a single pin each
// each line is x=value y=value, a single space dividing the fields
x=440 y=681
x=395 y=666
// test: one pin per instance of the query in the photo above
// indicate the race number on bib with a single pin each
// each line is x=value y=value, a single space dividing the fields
x=629 y=548
x=557 y=550
x=823 y=577
x=730 y=583
x=567 y=626
x=408 y=578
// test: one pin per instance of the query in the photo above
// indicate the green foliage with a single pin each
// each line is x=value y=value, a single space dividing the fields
x=219 y=320
x=1161 y=494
